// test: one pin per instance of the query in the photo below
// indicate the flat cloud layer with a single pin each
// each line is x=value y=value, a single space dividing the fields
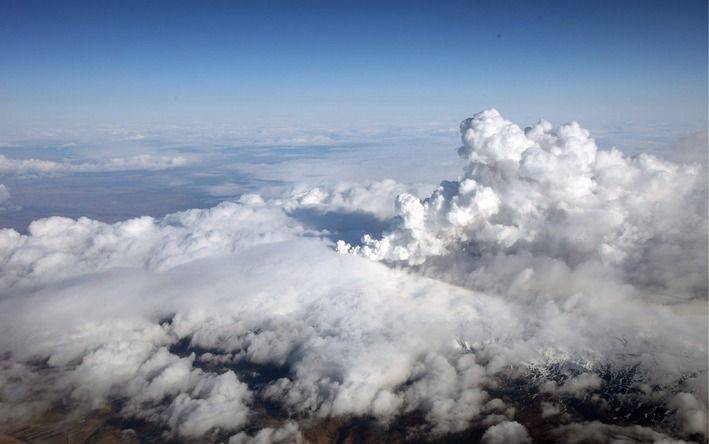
x=140 y=162
x=551 y=278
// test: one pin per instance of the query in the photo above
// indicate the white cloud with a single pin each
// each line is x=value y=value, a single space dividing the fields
x=510 y=432
x=553 y=193
x=58 y=247
x=342 y=325
x=289 y=433
x=139 y=162
x=215 y=402
x=374 y=197
x=561 y=257
x=691 y=413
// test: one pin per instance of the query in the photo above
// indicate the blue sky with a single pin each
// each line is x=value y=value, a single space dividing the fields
x=604 y=63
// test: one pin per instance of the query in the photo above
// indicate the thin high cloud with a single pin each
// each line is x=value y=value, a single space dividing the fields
x=550 y=280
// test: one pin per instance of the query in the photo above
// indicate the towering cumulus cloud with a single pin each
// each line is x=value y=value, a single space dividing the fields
x=544 y=218
x=546 y=192
x=554 y=291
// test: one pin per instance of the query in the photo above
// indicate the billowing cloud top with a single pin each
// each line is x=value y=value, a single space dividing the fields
x=549 y=193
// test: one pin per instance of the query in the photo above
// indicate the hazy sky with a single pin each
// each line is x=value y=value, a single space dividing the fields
x=76 y=63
